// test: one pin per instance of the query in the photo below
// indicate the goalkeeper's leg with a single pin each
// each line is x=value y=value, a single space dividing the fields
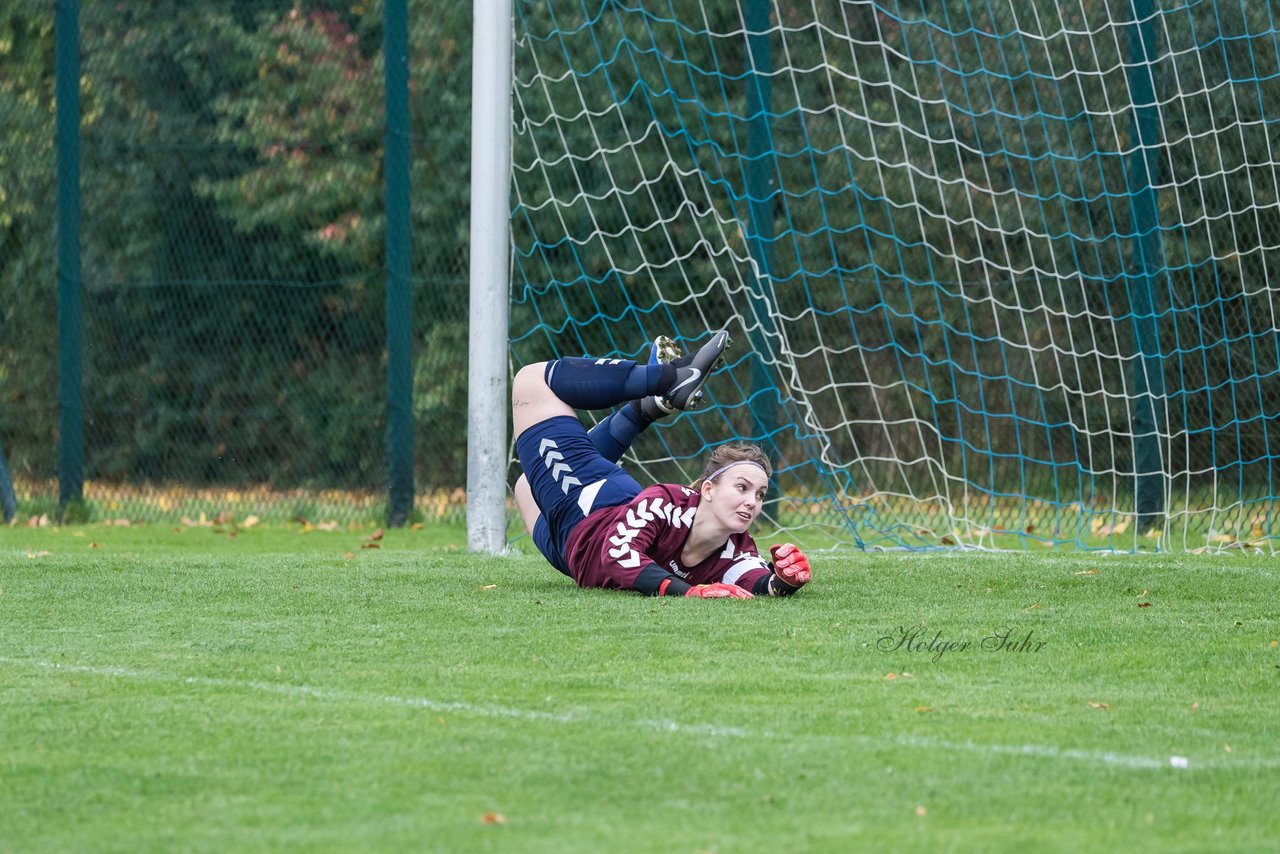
x=529 y=512
x=536 y=525
x=614 y=434
x=550 y=389
x=564 y=474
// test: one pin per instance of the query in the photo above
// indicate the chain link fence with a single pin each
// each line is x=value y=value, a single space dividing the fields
x=232 y=258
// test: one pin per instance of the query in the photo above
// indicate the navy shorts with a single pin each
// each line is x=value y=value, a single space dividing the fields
x=569 y=479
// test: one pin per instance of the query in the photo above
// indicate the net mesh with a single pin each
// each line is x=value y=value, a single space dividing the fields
x=999 y=272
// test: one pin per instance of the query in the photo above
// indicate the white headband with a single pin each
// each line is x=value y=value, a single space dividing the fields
x=715 y=474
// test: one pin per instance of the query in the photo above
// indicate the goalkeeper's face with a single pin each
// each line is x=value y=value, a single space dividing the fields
x=736 y=496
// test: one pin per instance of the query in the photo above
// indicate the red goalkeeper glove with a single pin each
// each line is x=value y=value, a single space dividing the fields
x=719 y=590
x=790 y=565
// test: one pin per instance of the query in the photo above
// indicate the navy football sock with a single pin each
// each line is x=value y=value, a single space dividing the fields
x=612 y=436
x=599 y=383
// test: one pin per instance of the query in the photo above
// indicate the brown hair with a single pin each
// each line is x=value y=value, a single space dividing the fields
x=735 y=452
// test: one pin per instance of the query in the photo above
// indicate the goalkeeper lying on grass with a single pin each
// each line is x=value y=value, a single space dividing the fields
x=598 y=525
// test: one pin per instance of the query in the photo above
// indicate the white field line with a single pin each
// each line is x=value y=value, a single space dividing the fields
x=1038 y=751
x=362 y=698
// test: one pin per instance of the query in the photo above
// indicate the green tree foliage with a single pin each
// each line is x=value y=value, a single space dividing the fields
x=232 y=240
x=28 y=413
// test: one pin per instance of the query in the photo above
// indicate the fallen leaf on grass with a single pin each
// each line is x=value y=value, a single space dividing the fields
x=1227 y=748
x=1275 y=643
x=94 y=546
x=493 y=818
x=1087 y=572
x=250 y=521
x=41 y=553
x=921 y=811
x=488 y=586
x=327 y=525
x=1144 y=604
x=376 y=535
x=924 y=708
x=1032 y=607
x=370 y=546
x=1103 y=706
x=349 y=555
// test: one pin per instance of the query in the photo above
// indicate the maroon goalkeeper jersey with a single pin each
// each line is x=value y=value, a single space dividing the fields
x=610 y=546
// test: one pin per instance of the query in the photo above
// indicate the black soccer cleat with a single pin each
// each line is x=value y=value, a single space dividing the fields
x=692 y=371
x=653 y=408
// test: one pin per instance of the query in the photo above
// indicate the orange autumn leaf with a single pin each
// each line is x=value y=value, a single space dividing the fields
x=493 y=818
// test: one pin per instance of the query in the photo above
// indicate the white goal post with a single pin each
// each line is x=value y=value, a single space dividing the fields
x=488 y=402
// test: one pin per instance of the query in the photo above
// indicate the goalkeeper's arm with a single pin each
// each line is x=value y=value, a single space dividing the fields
x=653 y=580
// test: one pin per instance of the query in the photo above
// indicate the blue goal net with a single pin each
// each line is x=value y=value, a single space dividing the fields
x=999 y=272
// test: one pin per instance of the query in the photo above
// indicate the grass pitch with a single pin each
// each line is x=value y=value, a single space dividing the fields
x=166 y=689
